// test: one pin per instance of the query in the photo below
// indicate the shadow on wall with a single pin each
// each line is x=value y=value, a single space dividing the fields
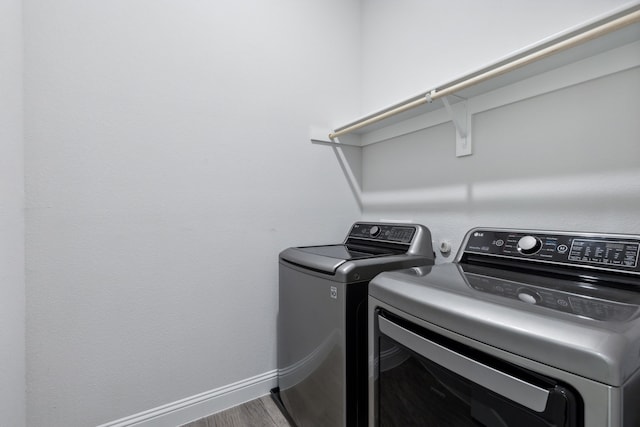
x=621 y=188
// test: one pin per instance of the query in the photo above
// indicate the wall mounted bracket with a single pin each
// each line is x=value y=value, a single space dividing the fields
x=461 y=118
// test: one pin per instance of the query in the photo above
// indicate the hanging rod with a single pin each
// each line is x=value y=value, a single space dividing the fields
x=600 y=30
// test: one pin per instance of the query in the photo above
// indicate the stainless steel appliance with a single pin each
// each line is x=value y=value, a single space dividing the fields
x=525 y=328
x=322 y=323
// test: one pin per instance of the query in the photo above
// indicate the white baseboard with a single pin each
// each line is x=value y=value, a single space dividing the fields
x=201 y=405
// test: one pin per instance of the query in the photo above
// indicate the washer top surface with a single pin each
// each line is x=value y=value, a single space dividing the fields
x=345 y=252
x=368 y=249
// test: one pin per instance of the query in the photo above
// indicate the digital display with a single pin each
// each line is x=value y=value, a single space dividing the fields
x=624 y=254
x=399 y=234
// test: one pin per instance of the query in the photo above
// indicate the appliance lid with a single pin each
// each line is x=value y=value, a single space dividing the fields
x=579 y=327
x=370 y=247
x=346 y=252
x=328 y=258
x=309 y=259
x=346 y=264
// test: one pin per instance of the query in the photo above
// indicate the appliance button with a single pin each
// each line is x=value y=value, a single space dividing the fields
x=526 y=298
x=562 y=248
x=529 y=296
x=374 y=231
x=529 y=245
x=499 y=242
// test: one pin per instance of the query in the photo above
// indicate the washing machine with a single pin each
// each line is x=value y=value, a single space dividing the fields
x=322 y=319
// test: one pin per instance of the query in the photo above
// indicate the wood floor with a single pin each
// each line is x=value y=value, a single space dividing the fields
x=261 y=412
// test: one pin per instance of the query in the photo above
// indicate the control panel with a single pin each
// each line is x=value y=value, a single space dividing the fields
x=600 y=251
x=383 y=232
x=580 y=305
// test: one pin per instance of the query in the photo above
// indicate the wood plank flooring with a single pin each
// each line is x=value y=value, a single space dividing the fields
x=261 y=412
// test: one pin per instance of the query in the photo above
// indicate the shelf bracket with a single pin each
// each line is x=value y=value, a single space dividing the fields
x=461 y=119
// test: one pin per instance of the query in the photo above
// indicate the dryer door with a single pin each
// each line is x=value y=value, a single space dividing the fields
x=427 y=379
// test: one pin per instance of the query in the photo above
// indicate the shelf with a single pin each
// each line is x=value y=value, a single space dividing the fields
x=588 y=41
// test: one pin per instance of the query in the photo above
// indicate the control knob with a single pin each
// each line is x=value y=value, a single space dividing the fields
x=529 y=245
x=374 y=231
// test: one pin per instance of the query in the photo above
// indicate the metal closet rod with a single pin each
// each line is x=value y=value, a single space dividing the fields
x=428 y=97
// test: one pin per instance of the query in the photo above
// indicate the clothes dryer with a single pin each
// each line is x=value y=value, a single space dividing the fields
x=526 y=328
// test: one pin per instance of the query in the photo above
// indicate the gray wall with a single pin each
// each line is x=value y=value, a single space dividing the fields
x=556 y=161
x=167 y=164
x=568 y=159
x=12 y=294
x=411 y=46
